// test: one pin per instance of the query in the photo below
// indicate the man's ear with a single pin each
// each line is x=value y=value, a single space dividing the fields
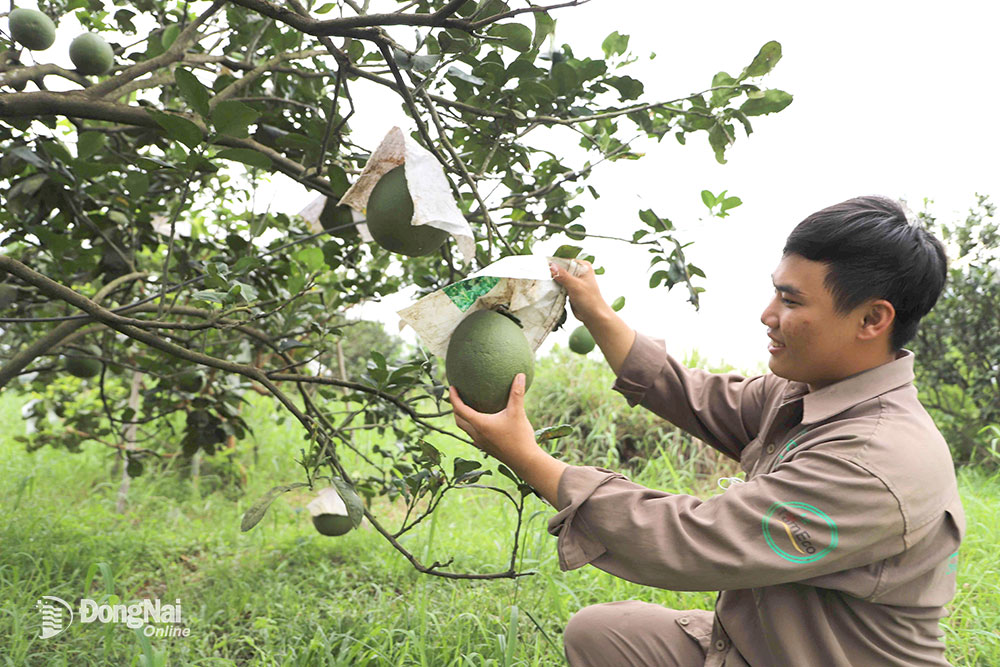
x=878 y=319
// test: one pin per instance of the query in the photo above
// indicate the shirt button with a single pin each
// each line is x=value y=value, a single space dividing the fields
x=770 y=449
x=720 y=645
x=683 y=621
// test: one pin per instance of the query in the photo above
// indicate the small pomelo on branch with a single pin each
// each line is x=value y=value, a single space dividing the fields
x=83 y=365
x=329 y=513
x=580 y=341
x=486 y=351
x=91 y=54
x=32 y=29
x=389 y=212
x=191 y=381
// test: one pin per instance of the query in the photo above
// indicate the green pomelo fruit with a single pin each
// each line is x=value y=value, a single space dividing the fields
x=191 y=382
x=82 y=367
x=134 y=468
x=8 y=295
x=91 y=54
x=389 y=212
x=32 y=29
x=332 y=524
x=338 y=220
x=580 y=341
x=485 y=352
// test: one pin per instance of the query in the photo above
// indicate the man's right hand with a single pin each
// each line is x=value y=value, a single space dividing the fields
x=584 y=294
x=610 y=332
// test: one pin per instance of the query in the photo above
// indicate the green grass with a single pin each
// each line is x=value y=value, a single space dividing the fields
x=282 y=594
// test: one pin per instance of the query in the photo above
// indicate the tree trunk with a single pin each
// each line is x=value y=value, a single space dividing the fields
x=129 y=439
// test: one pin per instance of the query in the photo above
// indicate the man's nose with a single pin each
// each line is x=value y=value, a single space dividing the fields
x=768 y=318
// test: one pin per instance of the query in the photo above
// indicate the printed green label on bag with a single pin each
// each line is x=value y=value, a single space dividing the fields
x=464 y=294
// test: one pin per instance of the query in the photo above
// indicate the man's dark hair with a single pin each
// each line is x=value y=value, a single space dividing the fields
x=873 y=252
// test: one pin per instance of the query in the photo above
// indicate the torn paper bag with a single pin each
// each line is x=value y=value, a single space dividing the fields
x=521 y=284
x=433 y=202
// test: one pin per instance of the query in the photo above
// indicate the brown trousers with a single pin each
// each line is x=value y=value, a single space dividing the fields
x=633 y=633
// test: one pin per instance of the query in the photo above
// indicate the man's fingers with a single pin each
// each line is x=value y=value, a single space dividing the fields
x=515 y=401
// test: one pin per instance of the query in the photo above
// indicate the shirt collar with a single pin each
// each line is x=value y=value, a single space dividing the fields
x=833 y=399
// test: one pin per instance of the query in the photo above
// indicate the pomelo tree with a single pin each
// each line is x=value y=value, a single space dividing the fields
x=132 y=247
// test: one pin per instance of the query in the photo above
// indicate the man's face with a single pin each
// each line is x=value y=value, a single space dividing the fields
x=809 y=341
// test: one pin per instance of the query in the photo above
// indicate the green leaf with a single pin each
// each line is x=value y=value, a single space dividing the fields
x=472 y=476
x=325 y=8
x=515 y=35
x=233 y=118
x=469 y=78
x=355 y=508
x=627 y=87
x=247 y=292
x=565 y=78
x=192 y=90
x=247 y=156
x=708 y=198
x=257 y=511
x=656 y=222
x=719 y=141
x=311 y=258
x=178 y=128
x=89 y=144
x=170 y=35
x=136 y=183
x=463 y=466
x=425 y=63
x=618 y=304
x=772 y=101
x=614 y=44
x=506 y=472
x=722 y=96
x=210 y=295
x=730 y=202
x=430 y=453
x=545 y=25
x=765 y=60
x=553 y=432
x=567 y=251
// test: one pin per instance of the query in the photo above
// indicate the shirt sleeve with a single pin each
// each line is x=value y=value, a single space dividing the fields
x=822 y=515
x=722 y=409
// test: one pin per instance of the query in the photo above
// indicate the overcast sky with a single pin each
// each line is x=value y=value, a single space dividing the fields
x=891 y=98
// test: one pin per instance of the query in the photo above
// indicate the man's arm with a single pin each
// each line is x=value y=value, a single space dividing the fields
x=610 y=332
x=509 y=437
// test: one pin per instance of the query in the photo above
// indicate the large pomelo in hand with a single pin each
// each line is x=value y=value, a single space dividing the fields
x=32 y=29
x=580 y=341
x=91 y=54
x=485 y=352
x=389 y=212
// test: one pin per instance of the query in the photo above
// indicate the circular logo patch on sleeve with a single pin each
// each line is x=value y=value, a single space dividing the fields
x=799 y=532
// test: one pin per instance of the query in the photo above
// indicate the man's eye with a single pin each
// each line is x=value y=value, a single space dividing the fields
x=788 y=302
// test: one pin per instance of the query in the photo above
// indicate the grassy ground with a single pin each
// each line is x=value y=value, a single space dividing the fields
x=283 y=595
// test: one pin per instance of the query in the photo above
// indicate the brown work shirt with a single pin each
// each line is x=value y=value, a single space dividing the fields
x=839 y=549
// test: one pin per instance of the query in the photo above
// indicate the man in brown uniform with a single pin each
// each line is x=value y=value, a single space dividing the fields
x=840 y=548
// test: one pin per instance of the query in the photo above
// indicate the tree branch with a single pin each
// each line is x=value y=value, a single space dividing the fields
x=172 y=54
